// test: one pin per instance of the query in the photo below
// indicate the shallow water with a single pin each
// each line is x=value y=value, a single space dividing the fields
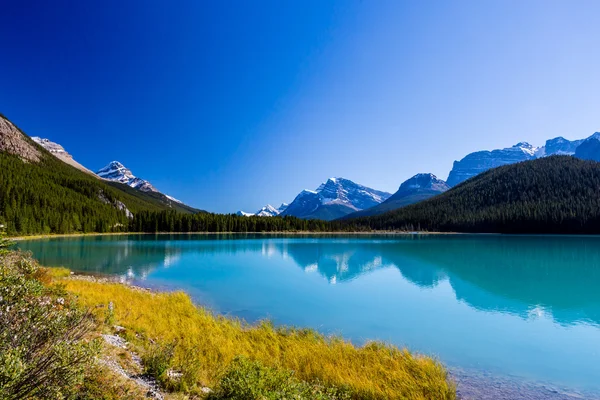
x=523 y=308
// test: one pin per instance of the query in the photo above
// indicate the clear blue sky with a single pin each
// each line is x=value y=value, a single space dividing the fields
x=230 y=105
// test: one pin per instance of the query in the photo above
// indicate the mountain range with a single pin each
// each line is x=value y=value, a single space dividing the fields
x=555 y=194
x=336 y=198
x=118 y=188
x=480 y=161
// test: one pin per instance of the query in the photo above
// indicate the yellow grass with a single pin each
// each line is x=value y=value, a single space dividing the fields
x=207 y=344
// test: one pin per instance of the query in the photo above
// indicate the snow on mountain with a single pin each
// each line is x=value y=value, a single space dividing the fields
x=333 y=199
x=480 y=161
x=173 y=199
x=418 y=188
x=426 y=181
x=282 y=207
x=559 y=146
x=266 y=211
x=59 y=152
x=117 y=172
x=48 y=145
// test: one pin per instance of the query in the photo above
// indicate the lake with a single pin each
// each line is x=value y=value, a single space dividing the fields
x=522 y=307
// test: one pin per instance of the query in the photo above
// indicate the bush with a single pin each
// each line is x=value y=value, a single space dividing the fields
x=42 y=351
x=157 y=362
x=248 y=380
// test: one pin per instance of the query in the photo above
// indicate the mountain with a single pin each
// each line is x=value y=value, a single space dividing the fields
x=334 y=199
x=589 y=149
x=266 y=211
x=559 y=146
x=39 y=193
x=116 y=172
x=59 y=152
x=555 y=194
x=480 y=161
x=418 y=188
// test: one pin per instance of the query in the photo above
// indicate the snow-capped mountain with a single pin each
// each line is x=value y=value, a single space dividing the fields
x=559 y=146
x=115 y=171
x=480 y=161
x=59 y=152
x=266 y=211
x=419 y=187
x=334 y=199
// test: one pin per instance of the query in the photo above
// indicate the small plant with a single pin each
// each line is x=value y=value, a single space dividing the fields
x=157 y=362
x=248 y=380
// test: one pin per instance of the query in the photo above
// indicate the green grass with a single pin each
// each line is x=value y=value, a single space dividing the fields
x=207 y=349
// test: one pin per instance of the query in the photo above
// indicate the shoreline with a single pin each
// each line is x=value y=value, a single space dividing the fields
x=471 y=384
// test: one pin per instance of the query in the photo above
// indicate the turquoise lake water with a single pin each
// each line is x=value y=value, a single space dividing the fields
x=525 y=307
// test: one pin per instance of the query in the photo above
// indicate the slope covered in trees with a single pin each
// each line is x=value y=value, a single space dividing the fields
x=557 y=194
x=41 y=194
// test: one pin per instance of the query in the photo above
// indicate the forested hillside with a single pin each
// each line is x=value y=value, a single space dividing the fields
x=558 y=194
x=41 y=194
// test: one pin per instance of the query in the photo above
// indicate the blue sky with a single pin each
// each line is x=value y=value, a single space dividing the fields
x=230 y=105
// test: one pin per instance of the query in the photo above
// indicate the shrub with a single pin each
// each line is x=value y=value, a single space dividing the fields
x=248 y=380
x=157 y=361
x=42 y=351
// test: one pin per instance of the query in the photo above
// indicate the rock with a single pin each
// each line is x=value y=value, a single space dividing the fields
x=13 y=142
x=115 y=340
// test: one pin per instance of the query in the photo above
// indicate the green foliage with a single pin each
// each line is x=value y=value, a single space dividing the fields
x=51 y=196
x=42 y=348
x=248 y=380
x=556 y=194
x=4 y=243
x=171 y=221
x=157 y=362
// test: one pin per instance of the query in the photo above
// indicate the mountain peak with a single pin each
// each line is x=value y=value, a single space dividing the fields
x=59 y=152
x=49 y=145
x=334 y=198
x=424 y=181
x=117 y=172
x=526 y=148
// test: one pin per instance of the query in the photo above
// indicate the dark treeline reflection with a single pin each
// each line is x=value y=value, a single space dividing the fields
x=516 y=274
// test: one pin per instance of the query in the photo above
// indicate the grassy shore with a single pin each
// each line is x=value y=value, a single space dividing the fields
x=205 y=348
